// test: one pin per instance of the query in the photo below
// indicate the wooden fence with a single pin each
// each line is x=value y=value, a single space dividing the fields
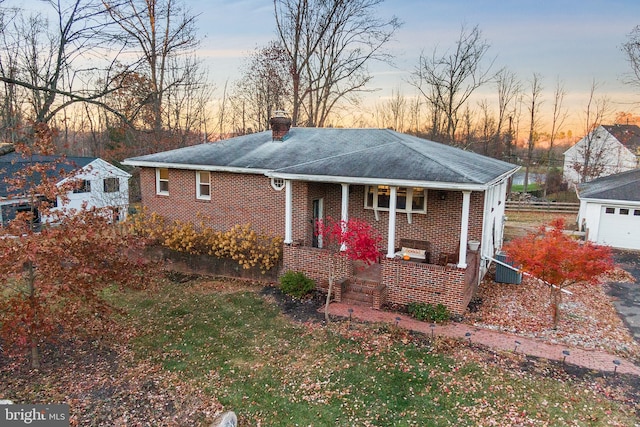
x=551 y=207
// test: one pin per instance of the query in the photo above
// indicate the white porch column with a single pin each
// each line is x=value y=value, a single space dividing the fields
x=344 y=214
x=288 y=212
x=464 y=229
x=391 y=249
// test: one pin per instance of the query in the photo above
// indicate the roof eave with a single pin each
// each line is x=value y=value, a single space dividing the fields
x=188 y=166
x=379 y=181
x=504 y=176
x=609 y=201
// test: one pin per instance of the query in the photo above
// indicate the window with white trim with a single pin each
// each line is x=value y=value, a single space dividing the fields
x=111 y=185
x=162 y=181
x=203 y=185
x=83 y=186
x=408 y=199
x=277 y=183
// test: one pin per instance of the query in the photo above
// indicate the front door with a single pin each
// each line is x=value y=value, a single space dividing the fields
x=318 y=206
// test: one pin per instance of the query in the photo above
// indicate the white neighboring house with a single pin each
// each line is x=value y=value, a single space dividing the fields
x=610 y=210
x=609 y=149
x=103 y=185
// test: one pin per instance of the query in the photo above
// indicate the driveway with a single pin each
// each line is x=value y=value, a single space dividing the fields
x=626 y=296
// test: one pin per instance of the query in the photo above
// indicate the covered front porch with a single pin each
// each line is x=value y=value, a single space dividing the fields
x=439 y=227
x=390 y=281
x=438 y=221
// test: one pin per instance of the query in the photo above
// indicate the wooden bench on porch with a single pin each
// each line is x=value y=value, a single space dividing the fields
x=417 y=250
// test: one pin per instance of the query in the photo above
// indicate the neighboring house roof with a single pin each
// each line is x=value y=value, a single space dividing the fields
x=628 y=135
x=6 y=148
x=622 y=186
x=348 y=155
x=13 y=162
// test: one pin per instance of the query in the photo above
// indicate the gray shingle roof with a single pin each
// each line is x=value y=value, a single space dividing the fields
x=329 y=152
x=621 y=186
x=13 y=162
x=628 y=135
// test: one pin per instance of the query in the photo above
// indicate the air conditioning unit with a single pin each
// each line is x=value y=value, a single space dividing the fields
x=505 y=274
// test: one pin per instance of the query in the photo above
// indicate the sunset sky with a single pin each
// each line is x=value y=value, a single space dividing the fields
x=575 y=40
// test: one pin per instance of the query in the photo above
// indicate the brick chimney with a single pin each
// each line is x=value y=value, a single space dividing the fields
x=280 y=125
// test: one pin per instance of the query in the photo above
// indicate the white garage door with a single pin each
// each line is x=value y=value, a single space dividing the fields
x=620 y=227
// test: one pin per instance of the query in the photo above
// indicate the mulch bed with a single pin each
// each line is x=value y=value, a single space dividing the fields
x=588 y=318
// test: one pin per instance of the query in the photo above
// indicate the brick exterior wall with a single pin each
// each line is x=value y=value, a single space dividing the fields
x=314 y=263
x=247 y=198
x=235 y=199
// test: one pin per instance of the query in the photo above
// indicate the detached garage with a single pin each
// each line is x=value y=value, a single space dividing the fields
x=610 y=210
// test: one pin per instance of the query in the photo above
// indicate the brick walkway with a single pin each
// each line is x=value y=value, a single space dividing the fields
x=591 y=359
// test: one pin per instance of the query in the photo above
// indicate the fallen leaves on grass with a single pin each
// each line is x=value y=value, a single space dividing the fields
x=588 y=319
x=107 y=386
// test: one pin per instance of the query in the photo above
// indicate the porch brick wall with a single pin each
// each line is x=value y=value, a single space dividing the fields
x=314 y=263
x=408 y=282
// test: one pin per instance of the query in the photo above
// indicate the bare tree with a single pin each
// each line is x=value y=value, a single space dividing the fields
x=487 y=128
x=592 y=154
x=163 y=35
x=329 y=44
x=447 y=81
x=508 y=87
x=535 y=101
x=265 y=86
x=632 y=49
x=558 y=117
x=392 y=112
x=415 y=114
x=469 y=132
x=52 y=66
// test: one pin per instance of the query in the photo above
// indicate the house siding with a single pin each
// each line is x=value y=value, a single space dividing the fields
x=609 y=154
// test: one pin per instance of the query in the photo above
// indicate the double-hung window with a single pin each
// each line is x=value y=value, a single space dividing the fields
x=84 y=186
x=162 y=181
x=111 y=185
x=203 y=185
x=408 y=199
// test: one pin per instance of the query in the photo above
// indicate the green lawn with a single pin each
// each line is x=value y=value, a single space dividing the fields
x=238 y=347
x=519 y=188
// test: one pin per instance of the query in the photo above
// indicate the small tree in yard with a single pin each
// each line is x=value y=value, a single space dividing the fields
x=52 y=281
x=559 y=260
x=354 y=239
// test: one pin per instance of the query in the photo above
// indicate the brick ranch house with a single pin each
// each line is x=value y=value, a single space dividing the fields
x=417 y=193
